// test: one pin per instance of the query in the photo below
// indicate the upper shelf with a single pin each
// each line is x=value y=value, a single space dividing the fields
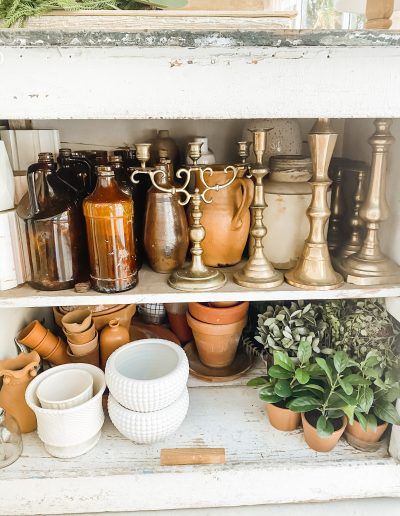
x=153 y=288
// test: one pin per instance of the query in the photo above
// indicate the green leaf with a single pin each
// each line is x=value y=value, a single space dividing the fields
x=281 y=358
x=362 y=420
x=340 y=361
x=387 y=412
x=302 y=376
x=323 y=364
x=365 y=399
x=393 y=394
x=372 y=423
x=315 y=387
x=347 y=387
x=282 y=389
x=270 y=398
x=304 y=352
x=278 y=372
x=303 y=404
x=349 y=411
x=356 y=379
x=256 y=382
x=324 y=427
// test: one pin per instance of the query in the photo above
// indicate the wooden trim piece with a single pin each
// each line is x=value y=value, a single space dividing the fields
x=188 y=456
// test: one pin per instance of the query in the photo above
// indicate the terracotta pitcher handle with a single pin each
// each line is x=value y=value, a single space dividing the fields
x=247 y=186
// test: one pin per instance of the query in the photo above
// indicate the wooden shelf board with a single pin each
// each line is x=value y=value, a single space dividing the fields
x=263 y=466
x=153 y=288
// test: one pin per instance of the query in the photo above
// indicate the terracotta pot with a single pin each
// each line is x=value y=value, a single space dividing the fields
x=112 y=337
x=83 y=337
x=92 y=358
x=83 y=349
x=177 y=320
x=216 y=343
x=321 y=444
x=212 y=315
x=32 y=335
x=226 y=220
x=223 y=304
x=368 y=436
x=123 y=313
x=58 y=355
x=283 y=419
x=17 y=373
x=77 y=321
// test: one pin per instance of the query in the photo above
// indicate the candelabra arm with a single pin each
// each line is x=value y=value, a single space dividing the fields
x=218 y=187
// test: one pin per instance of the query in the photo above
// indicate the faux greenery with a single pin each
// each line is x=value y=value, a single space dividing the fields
x=16 y=11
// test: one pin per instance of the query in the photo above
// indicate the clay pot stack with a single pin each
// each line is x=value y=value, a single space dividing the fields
x=176 y=313
x=82 y=337
x=50 y=347
x=217 y=331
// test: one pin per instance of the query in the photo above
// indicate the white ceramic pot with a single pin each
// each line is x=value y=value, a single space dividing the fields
x=65 y=389
x=147 y=375
x=69 y=432
x=144 y=428
x=7 y=189
x=12 y=266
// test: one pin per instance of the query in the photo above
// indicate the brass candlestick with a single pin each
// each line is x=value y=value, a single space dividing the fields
x=335 y=235
x=369 y=266
x=196 y=276
x=258 y=271
x=314 y=269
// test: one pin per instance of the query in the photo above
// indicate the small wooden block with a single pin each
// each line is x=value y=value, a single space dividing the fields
x=187 y=456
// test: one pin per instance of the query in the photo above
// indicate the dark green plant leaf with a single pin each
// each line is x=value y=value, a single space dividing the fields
x=387 y=412
x=347 y=387
x=281 y=358
x=361 y=419
x=365 y=399
x=257 y=382
x=324 y=427
x=282 y=389
x=372 y=423
x=301 y=376
x=323 y=364
x=340 y=361
x=270 y=398
x=303 y=404
x=356 y=380
x=393 y=394
x=278 y=372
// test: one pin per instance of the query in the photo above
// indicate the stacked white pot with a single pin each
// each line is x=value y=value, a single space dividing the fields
x=148 y=398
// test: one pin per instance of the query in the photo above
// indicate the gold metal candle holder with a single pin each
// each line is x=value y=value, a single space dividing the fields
x=196 y=276
x=314 y=269
x=258 y=271
x=369 y=266
x=335 y=236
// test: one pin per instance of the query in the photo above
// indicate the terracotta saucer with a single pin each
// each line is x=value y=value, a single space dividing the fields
x=242 y=363
x=140 y=330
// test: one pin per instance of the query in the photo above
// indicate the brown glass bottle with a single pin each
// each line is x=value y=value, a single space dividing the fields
x=76 y=171
x=166 y=237
x=108 y=213
x=51 y=229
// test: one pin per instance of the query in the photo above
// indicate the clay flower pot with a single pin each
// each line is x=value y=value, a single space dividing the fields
x=77 y=321
x=92 y=358
x=32 y=335
x=81 y=338
x=216 y=343
x=101 y=318
x=80 y=350
x=212 y=315
x=223 y=304
x=368 y=436
x=318 y=443
x=283 y=419
x=58 y=355
x=112 y=337
x=17 y=373
x=177 y=320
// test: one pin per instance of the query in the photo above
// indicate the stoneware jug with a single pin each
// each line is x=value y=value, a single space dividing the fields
x=226 y=219
x=16 y=374
x=112 y=337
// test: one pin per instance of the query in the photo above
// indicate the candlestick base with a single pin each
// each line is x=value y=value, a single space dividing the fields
x=261 y=276
x=371 y=272
x=314 y=270
x=194 y=281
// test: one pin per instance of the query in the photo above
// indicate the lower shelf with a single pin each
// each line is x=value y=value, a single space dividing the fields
x=263 y=466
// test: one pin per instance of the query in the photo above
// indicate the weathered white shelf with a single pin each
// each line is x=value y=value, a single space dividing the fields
x=153 y=288
x=263 y=466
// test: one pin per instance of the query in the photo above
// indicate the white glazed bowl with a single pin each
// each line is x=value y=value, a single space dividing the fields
x=147 y=375
x=65 y=389
x=144 y=428
x=73 y=431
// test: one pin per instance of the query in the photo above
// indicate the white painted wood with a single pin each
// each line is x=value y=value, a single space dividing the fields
x=214 y=82
x=263 y=466
x=153 y=288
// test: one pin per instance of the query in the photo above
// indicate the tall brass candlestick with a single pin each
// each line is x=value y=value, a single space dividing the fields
x=258 y=271
x=370 y=266
x=334 y=229
x=196 y=276
x=314 y=269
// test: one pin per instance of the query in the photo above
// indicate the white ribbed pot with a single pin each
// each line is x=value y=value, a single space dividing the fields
x=70 y=432
x=144 y=428
x=147 y=375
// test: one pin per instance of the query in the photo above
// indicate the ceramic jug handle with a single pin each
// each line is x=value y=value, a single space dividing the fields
x=247 y=186
x=30 y=177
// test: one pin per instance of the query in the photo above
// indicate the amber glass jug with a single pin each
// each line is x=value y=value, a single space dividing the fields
x=76 y=171
x=51 y=229
x=108 y=213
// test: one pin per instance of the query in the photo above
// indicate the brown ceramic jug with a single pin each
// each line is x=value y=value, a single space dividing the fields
x=166 y=236
x=164 y=142
x=112 y=337
x=17 y=373
x=227 y=219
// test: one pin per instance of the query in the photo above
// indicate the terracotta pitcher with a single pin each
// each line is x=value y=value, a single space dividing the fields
x=227 y=219
x=17 y=374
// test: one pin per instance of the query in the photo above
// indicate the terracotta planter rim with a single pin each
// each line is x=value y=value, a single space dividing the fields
x=33 y=327
x=215 y=329
x=340 y=430
x=209 y=314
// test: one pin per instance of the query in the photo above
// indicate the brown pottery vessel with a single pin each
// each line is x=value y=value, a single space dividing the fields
x=318 y=443
x=212 y=315
x=283 y=419
x=92 y=358
x=112 y=337
x=368 y=436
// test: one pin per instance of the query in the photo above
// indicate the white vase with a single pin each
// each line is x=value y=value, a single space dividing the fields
x=284 y=138
x=7 y=189
x=207 y=155
x=12 y=269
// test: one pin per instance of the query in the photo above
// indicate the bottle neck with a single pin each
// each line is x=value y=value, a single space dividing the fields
x=105 y=181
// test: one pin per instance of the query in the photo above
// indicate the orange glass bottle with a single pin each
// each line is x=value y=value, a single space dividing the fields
x=109 y=224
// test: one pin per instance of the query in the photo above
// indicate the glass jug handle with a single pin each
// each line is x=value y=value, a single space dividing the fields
x=86 y=177
x=30 y=177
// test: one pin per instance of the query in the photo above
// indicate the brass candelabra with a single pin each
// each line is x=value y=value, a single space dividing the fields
x=258 y=271
x=196 y=276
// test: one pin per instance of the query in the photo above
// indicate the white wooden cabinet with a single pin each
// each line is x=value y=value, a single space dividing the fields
x=209 y=80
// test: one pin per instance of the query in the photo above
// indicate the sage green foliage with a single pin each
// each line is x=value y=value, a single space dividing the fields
x=284 y=328
x=15 y=12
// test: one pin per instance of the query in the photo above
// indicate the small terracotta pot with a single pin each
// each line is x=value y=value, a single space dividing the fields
x=83 y=337
x=123 y=313
x=112 y=337
x=216 y=343
x=77 y=321
x=211 y=315
x=283 y=419
x=223 y=304
x=58 y=356
x=92 y=358
x=321 y=444
x=32 y=335
x=368 y=436
x=80 y=350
